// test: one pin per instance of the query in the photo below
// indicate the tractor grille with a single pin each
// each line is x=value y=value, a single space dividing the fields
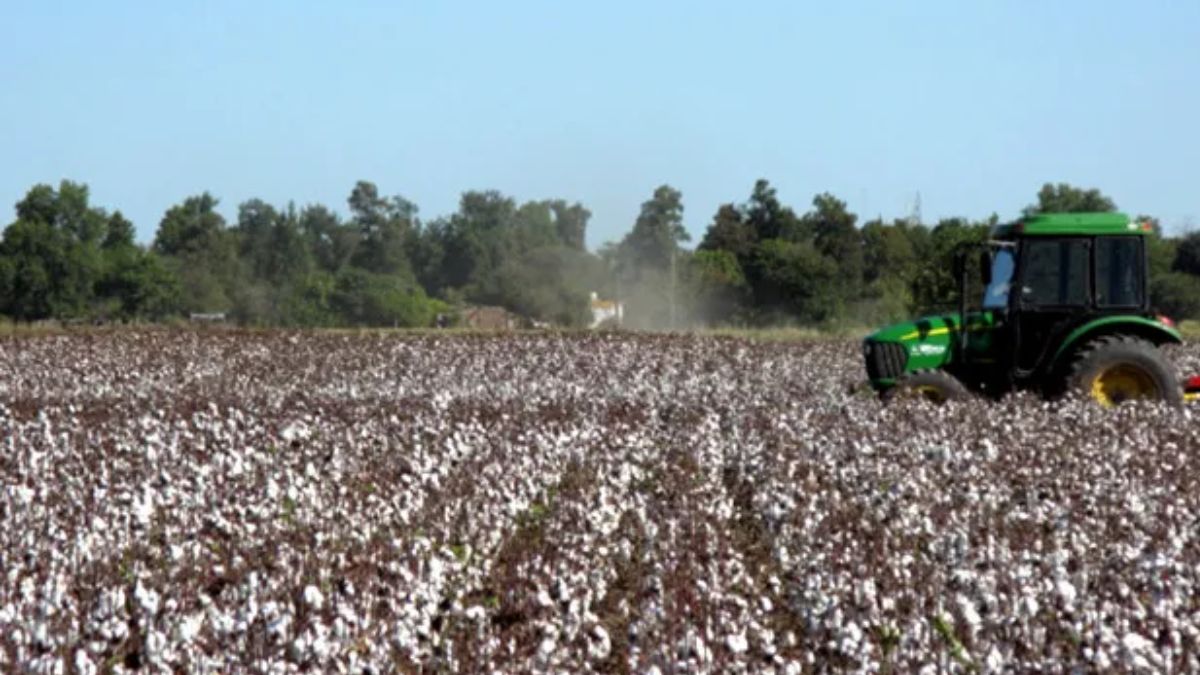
x=885 y=360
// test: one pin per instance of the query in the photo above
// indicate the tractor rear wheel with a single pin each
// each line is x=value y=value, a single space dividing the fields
x=1118 y=368
x=936 y=386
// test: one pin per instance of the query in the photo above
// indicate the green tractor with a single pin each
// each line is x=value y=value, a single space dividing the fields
x=1065 y=307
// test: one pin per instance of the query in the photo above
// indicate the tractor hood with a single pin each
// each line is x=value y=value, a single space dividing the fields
x=924 y=343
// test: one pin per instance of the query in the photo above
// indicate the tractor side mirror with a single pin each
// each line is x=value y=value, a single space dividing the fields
x=985 y=267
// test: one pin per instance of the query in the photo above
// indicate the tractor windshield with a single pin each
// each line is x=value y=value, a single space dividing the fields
x=996 y=295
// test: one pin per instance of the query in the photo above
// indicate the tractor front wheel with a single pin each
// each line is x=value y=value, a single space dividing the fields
x=936 y=386
x=1118 y=368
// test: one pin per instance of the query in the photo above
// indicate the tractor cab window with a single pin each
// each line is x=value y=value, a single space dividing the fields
x=1055 y=272
x=1119 y=272
x=996 y=294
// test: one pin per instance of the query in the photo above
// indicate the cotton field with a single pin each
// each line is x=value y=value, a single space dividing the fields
x=278 y=503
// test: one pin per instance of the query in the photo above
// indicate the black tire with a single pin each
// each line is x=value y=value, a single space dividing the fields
x=936 y=386
x=1135 y=368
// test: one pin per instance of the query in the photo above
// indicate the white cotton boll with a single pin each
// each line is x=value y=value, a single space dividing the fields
x=156 y=642
x=694 y=645
x=1066 y=592
x=402 y=637
x=436 y=568
x=994 y=661
x=298 y=649
x=278 y=627
x=321 y=647
x=852 y=637
x=970 y=616
x=295 y=431
x=1029 y=606
x=21 y=494
x=990 y=452
x=114 y=629
x=189 y=627
x=546 y=648
x=143 y=509
x=600 y=647
x=46 y=665
x=1136 y=645
x=83 y=663
x=313 y=597
x=766 y=640
x=146 y=598
x=737 y=643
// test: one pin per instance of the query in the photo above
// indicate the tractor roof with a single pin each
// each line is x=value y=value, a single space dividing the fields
x=1067 y=224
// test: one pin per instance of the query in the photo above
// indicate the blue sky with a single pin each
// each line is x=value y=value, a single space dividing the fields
x=972 y=104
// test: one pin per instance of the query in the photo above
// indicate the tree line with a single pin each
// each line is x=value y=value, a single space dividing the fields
x=759 y=262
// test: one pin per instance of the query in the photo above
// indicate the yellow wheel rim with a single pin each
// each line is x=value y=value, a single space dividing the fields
x=1118 y=384
x=930 y=393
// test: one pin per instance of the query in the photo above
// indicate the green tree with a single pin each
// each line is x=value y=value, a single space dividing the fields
x=362 y=298
x=35 y=257
x=310 y=301
x=53 y=252
x=138 y=285
x=730 y=231
x=1065 y=198
x=65 y=209
x=274 y=257
x=193 y=227
x=476 y=240
x=835 y=237
x=254 y=233
x=770 y=219
x=650 y=263
x=571 y=221
x=1187 y=254
x=330 y=242
x=1176 y=294
x=658 y=231
x=891 y=263
x=888 y=251
x=386 y=228
x=202 y=253
x=792 y=279
x=549 y=284
x=1160 y=250
x=717 y=287
x=118 y=233
x=935 y=288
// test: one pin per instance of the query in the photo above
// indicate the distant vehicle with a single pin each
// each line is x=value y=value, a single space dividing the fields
x=1065 y=307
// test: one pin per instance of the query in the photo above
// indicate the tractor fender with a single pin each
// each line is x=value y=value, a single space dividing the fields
x=1124 y=324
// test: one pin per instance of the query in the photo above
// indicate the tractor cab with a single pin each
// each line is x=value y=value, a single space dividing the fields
x=1058 y=292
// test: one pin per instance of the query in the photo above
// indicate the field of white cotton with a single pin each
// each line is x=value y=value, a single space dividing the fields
x=288 y=502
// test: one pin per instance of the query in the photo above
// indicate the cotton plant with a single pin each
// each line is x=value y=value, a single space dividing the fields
x=285 y=503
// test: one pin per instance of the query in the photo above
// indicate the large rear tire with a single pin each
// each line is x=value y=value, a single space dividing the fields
x=1118 y=368
x=936 y=386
